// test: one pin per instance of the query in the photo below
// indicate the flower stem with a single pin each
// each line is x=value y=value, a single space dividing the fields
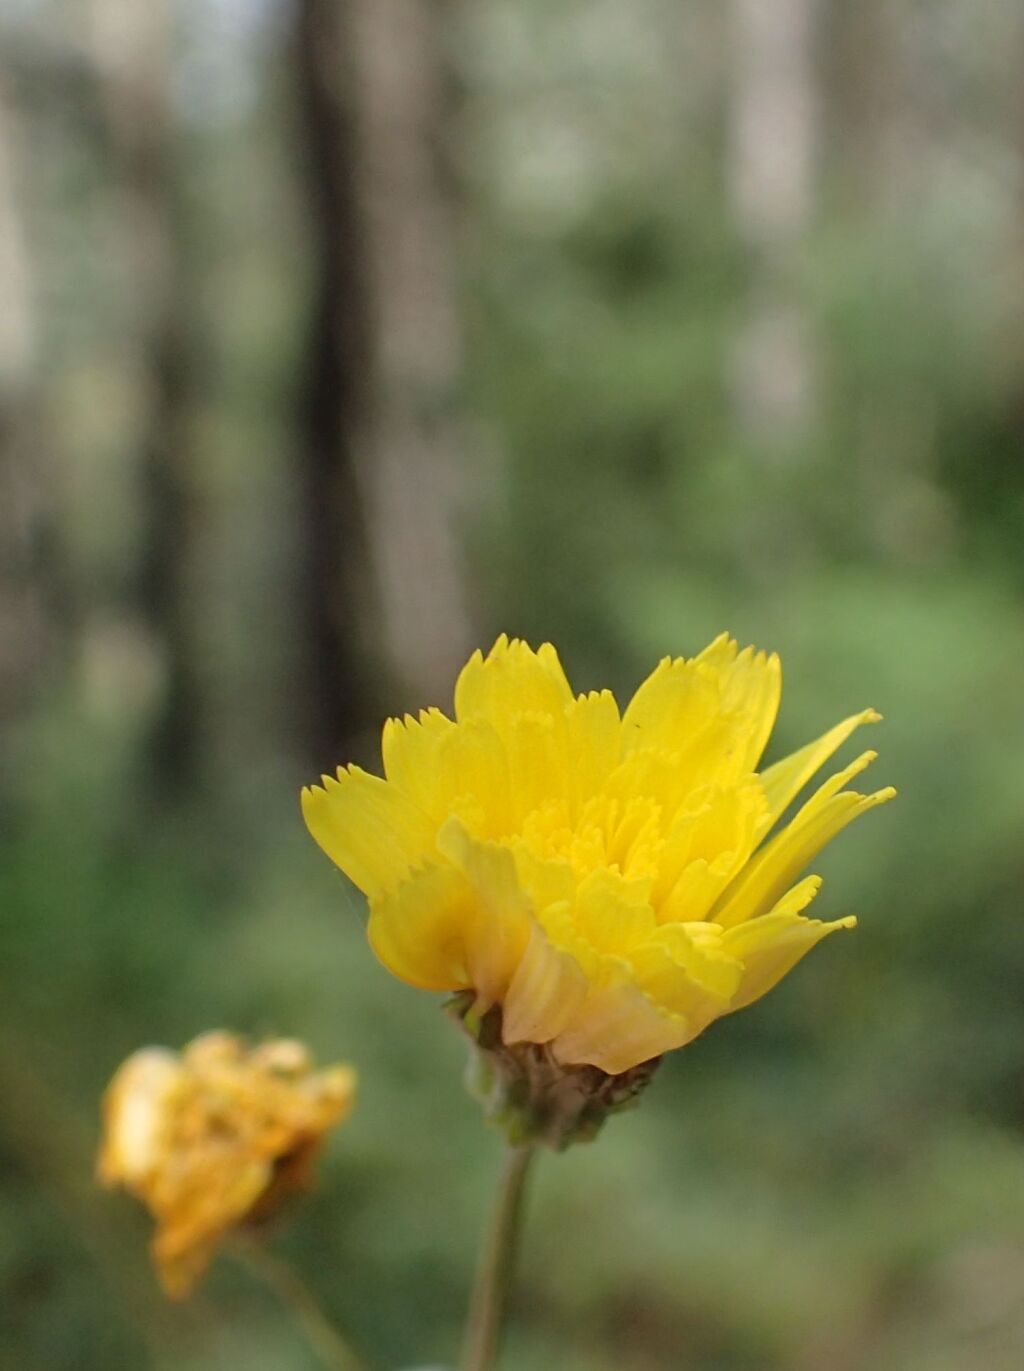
x=495 y=1265
x=295 y=1295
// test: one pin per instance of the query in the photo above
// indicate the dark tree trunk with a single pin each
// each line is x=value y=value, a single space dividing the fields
x=384 y=596
x=336 y=585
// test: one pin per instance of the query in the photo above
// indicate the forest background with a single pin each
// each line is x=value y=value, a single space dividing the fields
x=336 y=337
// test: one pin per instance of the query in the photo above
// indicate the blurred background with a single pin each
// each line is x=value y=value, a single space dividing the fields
x=337 y=336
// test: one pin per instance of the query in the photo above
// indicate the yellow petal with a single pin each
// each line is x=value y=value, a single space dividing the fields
x=538 y=774
x=511 y=680
x=699 y=948
x=612 y=913
x=656 y=774
x=687 y=974
x=136 y=1110
x=771 y=946
x=180 y=1260
x=784 y=781
x=184 y=1245
x=720 y=836
x=594 y=740
x=720 y=654
x=633 y=839
x=696 y=889
x=410 y=750
x=547 y=989
x=781 y=860
x=619 y=1027
x=546 y=881
x=672 y=707
x=497 y=937
x=368 y=828
x=421 y=931
x=440 y=766
x=750 y=686
x=472 y=764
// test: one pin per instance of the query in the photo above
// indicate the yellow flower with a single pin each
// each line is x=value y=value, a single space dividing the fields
x=215 y=1137
x=611 y=882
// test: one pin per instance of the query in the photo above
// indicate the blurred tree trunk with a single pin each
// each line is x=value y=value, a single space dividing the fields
x=858 y=57
x=30 y=600
x=771 y=170
x=133 y=55
x=384 y=589
x=337 y=584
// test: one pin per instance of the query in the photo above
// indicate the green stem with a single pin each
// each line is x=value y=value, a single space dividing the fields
x=495 y=1265
x=293 y=1293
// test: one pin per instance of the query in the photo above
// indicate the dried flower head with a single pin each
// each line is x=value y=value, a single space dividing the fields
x=609 y=884
x=214 y=1137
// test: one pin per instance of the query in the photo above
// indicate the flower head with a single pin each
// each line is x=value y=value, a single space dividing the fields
x=215 y=1137
x=611 y=882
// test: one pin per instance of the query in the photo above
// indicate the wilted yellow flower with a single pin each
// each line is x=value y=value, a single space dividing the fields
x=611 y=882
x=215 y=1137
